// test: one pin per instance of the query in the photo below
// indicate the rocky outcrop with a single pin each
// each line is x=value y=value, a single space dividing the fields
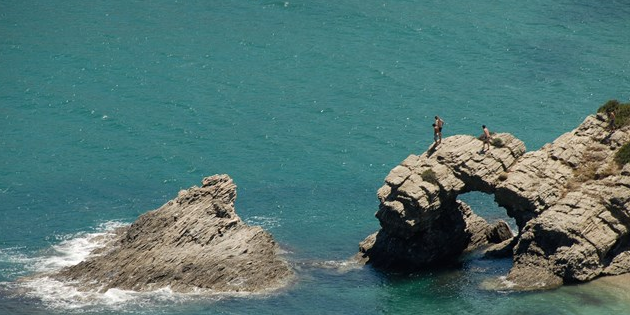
x=570 y=200
x=573 y=203
x=193 y=242
x=423 y=223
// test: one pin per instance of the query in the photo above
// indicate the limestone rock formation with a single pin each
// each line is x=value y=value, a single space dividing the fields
x=573 y=205
x=195 y=241
x=422 y=221
x=570 y=200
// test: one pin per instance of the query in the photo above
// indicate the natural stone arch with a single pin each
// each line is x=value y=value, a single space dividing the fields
x=486 y=206
x=570 y=200
x=422 y=221
x=574 y=203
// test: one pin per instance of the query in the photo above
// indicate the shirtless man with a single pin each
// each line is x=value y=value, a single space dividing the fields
x=436 y=135
x=439 y=123
x=486 y=138
x=611 y=119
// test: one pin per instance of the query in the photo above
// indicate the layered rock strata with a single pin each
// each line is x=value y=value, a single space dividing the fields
x=422 y=222
x=573 y=203
x=570 y=200
x=195 y=241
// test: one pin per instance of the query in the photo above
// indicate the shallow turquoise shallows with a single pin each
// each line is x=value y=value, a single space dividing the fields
x=109 y=108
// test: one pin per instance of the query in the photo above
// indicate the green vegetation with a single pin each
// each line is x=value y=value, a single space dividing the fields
x=622 y=156
x=497 y=142
x=430 y=177
x=622 y=118
x=622 y=112
x=482 y=136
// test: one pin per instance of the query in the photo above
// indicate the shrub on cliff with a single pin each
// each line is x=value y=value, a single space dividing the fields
x=623 y=155
x=482 y=136
x=610 y=105
x=429 y=176
x=498 y=142
x=622 y=112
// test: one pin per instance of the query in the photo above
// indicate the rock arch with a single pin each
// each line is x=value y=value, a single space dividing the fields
x=570 y=201
x=422 y=221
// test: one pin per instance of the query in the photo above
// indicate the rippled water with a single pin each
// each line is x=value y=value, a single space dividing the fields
x=108 y=108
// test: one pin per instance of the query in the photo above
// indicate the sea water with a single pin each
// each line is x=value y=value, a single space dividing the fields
x=109 y=108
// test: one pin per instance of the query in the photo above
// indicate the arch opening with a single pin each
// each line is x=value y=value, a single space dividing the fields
x=484 y=205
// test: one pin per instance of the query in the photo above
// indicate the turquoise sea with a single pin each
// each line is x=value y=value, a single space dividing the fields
x=109 y=108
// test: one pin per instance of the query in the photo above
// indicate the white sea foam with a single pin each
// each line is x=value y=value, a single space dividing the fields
x=498 y=284
x=338 y=265
x=265 y=222
x=13 y=255
x=59 y=295
x=66 y=296
x=72 y=249
x=75 y=248
x=507 y=283
x=13 y=258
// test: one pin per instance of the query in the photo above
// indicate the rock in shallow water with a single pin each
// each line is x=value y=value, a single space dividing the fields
x=195 y=241
x=422 y=222
x=571 y=203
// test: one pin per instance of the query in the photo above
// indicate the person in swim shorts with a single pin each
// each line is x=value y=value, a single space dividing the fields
x=611 y=120
x=436 y=134
x=486 y=137
x=439 y=123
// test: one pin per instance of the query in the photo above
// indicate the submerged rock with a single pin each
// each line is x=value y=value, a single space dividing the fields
x=195 y=241
x=570 y=201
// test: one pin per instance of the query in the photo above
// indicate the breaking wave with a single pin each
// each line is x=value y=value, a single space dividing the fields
x=33 y=283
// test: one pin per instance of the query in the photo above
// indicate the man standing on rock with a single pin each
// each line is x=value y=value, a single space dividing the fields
x=486 y=138
x=611 y=119
x=436 y=132
x=439 y=123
